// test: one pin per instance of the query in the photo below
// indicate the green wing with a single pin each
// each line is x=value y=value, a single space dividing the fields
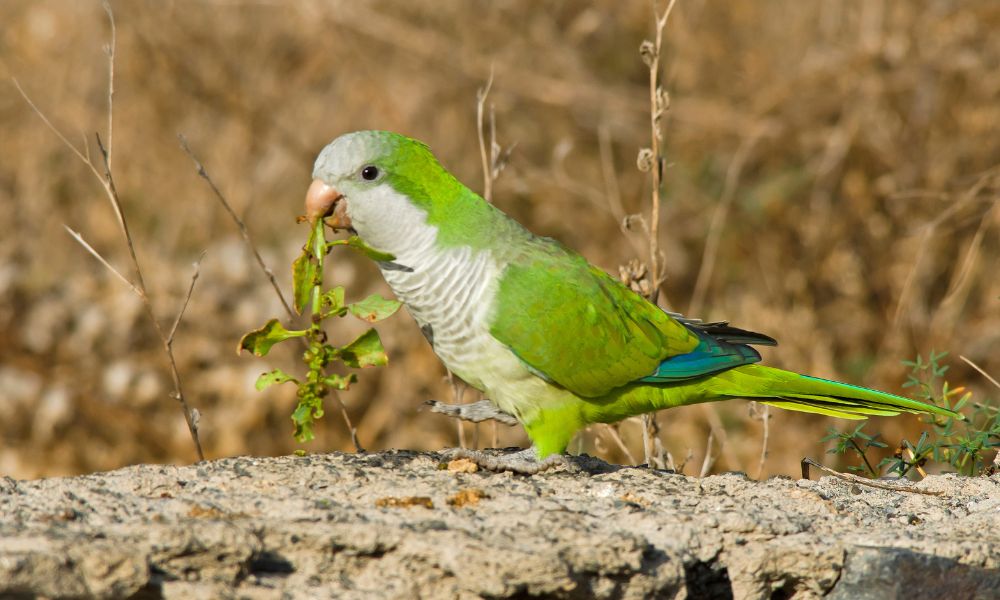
x=575 y=325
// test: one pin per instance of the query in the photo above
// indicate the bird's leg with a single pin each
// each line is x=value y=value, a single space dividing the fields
x=524 y=462
x=477 y=412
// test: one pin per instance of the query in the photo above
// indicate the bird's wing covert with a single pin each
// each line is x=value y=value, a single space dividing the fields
x=575 y=325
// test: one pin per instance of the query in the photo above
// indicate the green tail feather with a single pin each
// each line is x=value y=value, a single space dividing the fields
x=804 y=393
x=775 y=387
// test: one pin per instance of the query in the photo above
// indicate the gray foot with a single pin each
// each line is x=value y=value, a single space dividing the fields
x=524 y=462
x=477 y=412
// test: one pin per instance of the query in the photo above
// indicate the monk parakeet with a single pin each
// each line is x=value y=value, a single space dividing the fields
x=552 y=341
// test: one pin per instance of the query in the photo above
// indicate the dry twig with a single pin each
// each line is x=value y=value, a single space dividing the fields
x=350 y=426
x=765 y=418
x=659 y=101
x=138 y=286
x=709 y=460
x=239 y=224
x=485 y=156
x=651 y=159
x=650 y=431
x=980 y=370
x=187 y=298
x=808 y=462
x=79 y=238
x=612 y=433
x=458 y=396
x=110 y=51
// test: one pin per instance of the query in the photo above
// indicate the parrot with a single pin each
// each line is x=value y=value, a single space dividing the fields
x=553 y=342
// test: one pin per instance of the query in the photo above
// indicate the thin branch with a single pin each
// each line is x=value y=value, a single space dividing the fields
x=112 y=192
x=658 y=102
x=688 y=456
x=652 y=451
x=496 y=153
x=187 y=298
x=350 y=426
x=706 y=464
x=103 y=261
x=617 y=439
x=458 y=395
x=711 y=412
x=53 y=128
x=659 y=450
x=86 y=145
x=765 y=419
x=110 y=50
x=981 y=371
x=808 y=462
x=658 y=105
x=239 y=224
x=481 y=95
x=191 y=417
x=670 y=462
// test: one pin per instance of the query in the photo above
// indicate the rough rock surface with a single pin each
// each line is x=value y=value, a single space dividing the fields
x=396 y=525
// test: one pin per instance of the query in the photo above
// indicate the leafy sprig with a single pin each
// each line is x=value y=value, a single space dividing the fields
x=961 y=443
x=856 y=441
x=364 y=351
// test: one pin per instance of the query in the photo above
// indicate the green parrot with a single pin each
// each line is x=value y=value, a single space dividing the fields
x=553 y=342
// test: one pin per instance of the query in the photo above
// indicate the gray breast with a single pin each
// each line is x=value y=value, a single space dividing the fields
x=448 y=292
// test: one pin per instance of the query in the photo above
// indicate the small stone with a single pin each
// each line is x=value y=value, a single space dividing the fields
x=467 y=497
x=404 y=502
x=462 y=465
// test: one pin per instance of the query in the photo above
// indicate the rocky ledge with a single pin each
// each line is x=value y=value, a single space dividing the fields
x=399 y=525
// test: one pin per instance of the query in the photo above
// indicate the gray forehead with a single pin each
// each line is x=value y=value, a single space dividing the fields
x=347 y=153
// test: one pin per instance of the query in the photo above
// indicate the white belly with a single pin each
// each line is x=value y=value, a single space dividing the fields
x=450 y=294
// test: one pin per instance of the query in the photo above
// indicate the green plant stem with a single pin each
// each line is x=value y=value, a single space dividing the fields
x=861 y=453
x=319 y=252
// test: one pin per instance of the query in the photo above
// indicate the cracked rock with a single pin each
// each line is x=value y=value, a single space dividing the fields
x=387 y=525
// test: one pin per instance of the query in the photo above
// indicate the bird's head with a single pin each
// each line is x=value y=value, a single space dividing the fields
x=376 y=183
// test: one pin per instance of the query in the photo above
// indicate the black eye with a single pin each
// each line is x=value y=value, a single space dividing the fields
x=369 y=173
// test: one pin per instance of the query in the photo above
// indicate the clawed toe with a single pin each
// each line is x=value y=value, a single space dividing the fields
x=477 y=412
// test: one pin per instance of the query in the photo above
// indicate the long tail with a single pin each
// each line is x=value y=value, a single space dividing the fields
x=804 y=393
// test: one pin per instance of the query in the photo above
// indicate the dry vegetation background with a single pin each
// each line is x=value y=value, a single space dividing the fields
x=852 y=146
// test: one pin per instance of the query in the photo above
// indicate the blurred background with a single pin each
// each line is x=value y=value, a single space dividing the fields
x=847 y=153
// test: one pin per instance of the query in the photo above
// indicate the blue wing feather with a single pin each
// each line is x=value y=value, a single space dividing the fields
x=712 y=355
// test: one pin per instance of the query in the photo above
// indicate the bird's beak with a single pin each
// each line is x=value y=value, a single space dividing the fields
x=325 y=202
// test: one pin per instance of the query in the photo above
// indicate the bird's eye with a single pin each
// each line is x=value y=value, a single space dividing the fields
x=369 y=173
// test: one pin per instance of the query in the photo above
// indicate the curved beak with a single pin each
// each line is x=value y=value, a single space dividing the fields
x=325 y=202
